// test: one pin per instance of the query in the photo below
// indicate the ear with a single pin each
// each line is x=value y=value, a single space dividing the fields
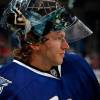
x=34 y=47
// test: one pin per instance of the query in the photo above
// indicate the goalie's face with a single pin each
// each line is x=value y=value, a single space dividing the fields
x=54 y=48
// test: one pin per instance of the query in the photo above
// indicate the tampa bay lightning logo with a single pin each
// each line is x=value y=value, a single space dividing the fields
x=3 y=83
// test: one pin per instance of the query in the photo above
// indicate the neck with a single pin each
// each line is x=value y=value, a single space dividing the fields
x=40 y=63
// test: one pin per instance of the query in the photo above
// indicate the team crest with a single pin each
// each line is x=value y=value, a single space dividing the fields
x=3 y=83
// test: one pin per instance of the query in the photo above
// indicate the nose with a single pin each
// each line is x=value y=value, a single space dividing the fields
x=65 y=45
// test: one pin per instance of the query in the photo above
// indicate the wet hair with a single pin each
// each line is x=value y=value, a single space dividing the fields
x=24 y=53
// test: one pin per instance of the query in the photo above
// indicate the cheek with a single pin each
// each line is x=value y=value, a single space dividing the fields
x=53 y=52
x=54 y=57
x=54 y=46
x=53 y=49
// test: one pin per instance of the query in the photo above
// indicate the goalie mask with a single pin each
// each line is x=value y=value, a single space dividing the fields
x=50 y=15
x=39 y=14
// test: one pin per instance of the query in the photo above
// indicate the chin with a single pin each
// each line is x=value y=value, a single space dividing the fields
x=60 y=62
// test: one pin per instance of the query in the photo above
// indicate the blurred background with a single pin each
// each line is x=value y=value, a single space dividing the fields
x=89 y=12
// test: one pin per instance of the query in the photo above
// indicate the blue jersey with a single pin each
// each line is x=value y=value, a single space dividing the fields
x=77 y=82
